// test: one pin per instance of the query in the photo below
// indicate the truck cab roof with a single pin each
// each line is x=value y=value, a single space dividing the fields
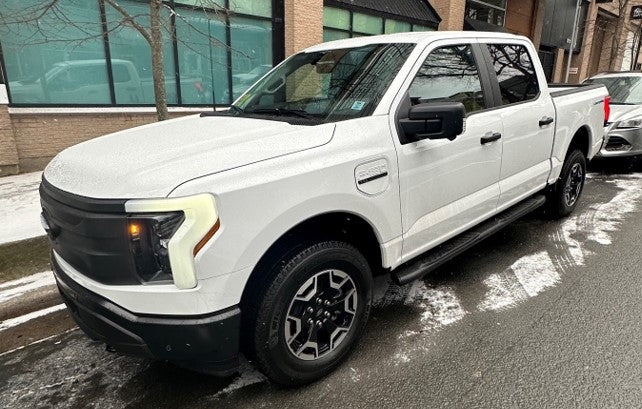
x=423 y=37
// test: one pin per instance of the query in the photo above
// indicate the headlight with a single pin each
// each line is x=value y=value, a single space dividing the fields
x=631 y=123
x=149 y=239
x=170 y=233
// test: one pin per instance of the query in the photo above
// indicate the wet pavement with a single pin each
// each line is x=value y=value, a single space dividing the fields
x=544 y=314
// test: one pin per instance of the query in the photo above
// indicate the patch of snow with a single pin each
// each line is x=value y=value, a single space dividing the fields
x=13 y=322
x=248 y=376
x=527 y=277
x=440 y=305
x=16 y=288
x=401 y=358
x=608 y=216
x=39 y=342
x=20 y=207
x=600 y=220
x=355 y=375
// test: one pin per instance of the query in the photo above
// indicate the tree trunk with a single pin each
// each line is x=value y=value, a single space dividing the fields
x=158 y=72
x=616 y=43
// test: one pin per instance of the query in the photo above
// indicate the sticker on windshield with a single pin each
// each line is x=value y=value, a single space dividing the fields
x=358 y=105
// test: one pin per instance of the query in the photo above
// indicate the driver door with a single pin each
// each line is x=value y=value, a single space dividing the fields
x=449 y=186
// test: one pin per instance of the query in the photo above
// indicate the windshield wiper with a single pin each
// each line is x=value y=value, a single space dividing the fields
x=237 y=109
x=283 y=112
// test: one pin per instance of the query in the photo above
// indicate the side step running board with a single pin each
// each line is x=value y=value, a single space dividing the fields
x=433 y=259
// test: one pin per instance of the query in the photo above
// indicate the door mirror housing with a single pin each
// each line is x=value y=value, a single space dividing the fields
x=432 y=120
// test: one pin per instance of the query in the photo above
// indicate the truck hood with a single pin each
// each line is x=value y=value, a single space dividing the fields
x=151 y=160
x=624 y=112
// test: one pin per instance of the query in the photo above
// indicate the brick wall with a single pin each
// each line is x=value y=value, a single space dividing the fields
x=8 y=151
x=39 y=137
x=451 y=13
x=303 y=24
x=520 y=16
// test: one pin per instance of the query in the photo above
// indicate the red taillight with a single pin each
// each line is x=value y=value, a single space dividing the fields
x=607 y=108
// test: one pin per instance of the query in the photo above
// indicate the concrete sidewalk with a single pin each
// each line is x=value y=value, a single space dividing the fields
x=30 y=307
x=20 y=207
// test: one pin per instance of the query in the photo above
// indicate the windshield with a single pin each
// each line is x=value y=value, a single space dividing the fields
x=623 y=90
x=328 y=85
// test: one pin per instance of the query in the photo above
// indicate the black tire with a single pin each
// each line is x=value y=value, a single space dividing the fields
x=271 y=312
x=560 y=202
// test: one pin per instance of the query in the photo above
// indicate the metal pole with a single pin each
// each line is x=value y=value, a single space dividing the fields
x=573 y=39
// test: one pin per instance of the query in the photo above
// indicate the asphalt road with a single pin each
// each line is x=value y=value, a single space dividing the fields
x=544 y=314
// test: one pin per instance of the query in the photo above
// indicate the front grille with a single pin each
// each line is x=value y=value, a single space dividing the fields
x=617 y=143
x=89 y=234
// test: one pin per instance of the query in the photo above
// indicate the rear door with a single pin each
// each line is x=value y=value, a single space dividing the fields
x=527 y=113
x=448 y=186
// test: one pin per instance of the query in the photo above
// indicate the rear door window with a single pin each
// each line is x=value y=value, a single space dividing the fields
x=515 y=72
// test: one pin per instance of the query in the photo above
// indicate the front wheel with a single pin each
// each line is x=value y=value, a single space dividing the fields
x=565 y=194
x=311 y=313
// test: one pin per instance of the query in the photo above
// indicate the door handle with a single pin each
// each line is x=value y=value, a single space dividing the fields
x=547 y=120
x=490 y=137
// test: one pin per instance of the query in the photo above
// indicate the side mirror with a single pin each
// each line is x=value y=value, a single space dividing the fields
x=433 y=120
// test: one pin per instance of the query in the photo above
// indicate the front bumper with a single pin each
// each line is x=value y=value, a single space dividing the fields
x=207 y=343
x=622 y=143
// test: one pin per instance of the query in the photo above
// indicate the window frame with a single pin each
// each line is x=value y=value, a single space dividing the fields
x=490 y=68
x=483 y=3
x=480 y=61
x=480 y=65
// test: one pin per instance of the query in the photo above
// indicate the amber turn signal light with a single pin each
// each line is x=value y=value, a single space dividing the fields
x=207 y=237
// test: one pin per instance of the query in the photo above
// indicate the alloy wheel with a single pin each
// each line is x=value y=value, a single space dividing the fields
x=573 y=185
x=321 y=314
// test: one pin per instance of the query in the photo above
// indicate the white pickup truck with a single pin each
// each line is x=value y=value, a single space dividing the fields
x=258 y=230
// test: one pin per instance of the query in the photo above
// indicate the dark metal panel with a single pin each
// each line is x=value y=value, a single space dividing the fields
x=558 y=23
x=278 y=31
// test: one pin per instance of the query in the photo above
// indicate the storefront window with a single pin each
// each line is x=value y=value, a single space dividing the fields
x=336 y=18
x=396 y=26
x=60 y=56
x=366 y=24
x=340 y=23
x=489 y=11
x=132 y=52
x=251 y=52
x=418 y=27
x=202 y=59
x=331 y=35
x=40 y=71
x=262 y=8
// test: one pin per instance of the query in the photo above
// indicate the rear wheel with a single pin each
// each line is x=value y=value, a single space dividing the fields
x=565 y=194
x=311 y=313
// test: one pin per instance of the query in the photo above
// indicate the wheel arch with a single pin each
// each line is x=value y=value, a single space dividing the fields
x=337 y=225
x=581 y=140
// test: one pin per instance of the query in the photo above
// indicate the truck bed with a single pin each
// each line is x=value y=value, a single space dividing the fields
x=558 y=90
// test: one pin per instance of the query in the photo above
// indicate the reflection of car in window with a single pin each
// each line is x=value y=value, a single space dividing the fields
x=80 y=80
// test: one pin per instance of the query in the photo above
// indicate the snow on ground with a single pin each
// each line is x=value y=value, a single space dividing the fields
x=13 y=322
x=600 y=220
x=532 y=274
x=248 y=375
x=527 y=277
x=20 y=207
x=440 y=305
x=16 y=288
